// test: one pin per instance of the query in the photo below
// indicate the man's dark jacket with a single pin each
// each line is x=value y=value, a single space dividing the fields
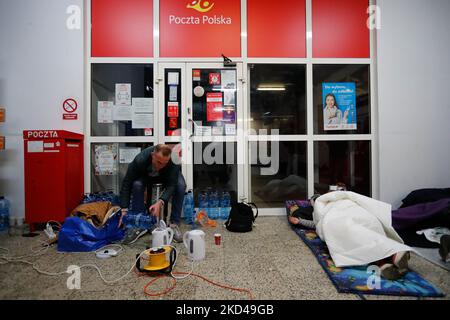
x=141 y=168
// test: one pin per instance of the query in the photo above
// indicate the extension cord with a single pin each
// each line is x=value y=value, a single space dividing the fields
x=107 y=253
x=49 y=232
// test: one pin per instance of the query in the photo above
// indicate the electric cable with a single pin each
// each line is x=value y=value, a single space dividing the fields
x=173 y=275
x=185 y=275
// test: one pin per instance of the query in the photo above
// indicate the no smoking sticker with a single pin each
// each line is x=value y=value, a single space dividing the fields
x=70 y=106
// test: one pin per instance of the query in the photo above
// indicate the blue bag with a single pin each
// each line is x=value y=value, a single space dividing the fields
x=78 y=235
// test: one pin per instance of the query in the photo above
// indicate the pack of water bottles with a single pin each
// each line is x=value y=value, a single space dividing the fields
x=217 y=204
x=141 y=220
x=101 y=196
x=4 y=214
x=189 y=207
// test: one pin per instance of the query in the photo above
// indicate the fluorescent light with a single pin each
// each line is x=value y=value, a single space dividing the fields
x=271 y=89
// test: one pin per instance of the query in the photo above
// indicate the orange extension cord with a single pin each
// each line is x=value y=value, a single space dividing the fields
x=174 y=283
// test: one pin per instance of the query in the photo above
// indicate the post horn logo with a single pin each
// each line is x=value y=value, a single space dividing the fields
x=200 y=6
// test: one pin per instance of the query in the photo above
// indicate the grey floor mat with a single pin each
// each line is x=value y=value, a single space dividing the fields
x=433 y=256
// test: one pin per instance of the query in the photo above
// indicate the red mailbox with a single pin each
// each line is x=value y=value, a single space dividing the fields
x=54 y=176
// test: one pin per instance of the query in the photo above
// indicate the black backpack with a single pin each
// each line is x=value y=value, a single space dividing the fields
x=241 y=217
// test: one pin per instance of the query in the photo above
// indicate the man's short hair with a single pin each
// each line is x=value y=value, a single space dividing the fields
x=165 y=150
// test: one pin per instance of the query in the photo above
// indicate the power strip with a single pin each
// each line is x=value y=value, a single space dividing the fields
x=49 y=232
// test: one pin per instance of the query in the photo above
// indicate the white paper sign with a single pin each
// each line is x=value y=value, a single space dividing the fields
x=105 y=112
x=228 y=79
x=142 y=120
x=123 y=94
x=35 y=146
x=230 y=129
x=217 y=131
x=122 y=113
x=105 y=159
x=142 y=105
x=173 y=93
x=203 y=131
x=127 y=155
x=148 y=131
x=229 y=97
x=173 y=78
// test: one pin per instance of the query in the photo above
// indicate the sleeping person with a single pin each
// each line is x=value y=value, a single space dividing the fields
x=357 y=230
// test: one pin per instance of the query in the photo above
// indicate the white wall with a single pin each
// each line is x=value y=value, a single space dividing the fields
x=413 y=92
x=41 y=64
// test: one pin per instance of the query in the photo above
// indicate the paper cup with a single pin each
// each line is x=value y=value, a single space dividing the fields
x=217 y=238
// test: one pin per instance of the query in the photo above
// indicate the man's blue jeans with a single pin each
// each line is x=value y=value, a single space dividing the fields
x=138 y=201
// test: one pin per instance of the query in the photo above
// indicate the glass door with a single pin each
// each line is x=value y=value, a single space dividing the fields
x=203 y=114
x=214 y=116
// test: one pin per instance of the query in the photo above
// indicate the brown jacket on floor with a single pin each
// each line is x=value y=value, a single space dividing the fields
x=97 y=213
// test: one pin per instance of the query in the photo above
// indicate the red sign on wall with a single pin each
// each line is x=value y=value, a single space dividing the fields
x=339 y=29
x=276 y=28
x=200 y=28
x=122 y=28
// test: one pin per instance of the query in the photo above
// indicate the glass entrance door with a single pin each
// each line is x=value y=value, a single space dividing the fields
x=203 y=114
x=214 y=96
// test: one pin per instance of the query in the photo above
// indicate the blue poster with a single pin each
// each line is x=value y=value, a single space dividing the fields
x=339 y=106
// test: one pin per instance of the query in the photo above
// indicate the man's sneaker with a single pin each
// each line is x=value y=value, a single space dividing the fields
x=132 y=234
x=400 y=260
x=177 y=235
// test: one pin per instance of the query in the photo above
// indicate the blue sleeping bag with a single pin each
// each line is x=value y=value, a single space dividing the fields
x=78 y=235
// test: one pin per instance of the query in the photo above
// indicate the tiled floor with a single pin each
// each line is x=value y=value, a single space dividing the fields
x=271 y=262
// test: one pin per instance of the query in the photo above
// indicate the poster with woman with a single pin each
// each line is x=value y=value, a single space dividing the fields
x=339 y=106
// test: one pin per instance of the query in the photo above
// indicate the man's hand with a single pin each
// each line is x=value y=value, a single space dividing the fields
x=155 y=208
x=124 y=213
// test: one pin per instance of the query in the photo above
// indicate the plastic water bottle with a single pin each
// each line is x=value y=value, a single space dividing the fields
x=214 y=205
x=4 y=214
x=139 y=220
x=188 y=208
x=225 y=205
x=195 y=223
x=203 y=202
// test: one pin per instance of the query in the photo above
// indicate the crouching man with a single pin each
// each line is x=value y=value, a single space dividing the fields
x=153 y=165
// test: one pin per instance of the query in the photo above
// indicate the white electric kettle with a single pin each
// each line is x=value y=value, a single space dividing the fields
x=194 y=241
x=162 y=235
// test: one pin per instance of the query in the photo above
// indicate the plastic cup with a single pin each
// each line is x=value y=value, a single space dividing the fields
x=217 y=238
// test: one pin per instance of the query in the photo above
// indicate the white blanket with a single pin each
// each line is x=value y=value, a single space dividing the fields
x=357 y=229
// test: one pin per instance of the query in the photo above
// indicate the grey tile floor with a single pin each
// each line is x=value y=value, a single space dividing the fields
x=271 y=262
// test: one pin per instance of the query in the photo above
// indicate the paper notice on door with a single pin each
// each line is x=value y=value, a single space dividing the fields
x=172 y=109
x=173 y=93
x=127 y=155
x=229 y=114
x=122 y=113
x=123 y=94
x=196 y=75
x=105 y=112
x=203 y=131
x=105 y=159
x=229 y=97
x=228 y=79
x=35 y=146
x=217 y=131
x=142 y=120
x=142 y=105
x=148 y=131
x=230 y=129
x=173 y=78
x=214 y=107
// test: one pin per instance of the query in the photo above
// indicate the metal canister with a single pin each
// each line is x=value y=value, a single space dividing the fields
x=157 y=190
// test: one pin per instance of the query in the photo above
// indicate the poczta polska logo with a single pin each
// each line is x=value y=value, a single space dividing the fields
x=202 y=7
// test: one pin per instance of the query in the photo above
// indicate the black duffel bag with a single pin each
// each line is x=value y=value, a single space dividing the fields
x=241 y=217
